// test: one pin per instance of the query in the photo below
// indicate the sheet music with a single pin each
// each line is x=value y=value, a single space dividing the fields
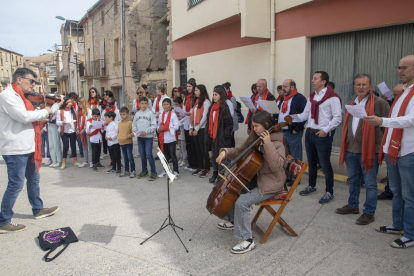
x=179 y=111
x=358 y=111
x=247 y=102
x=164 y=163
x=269 y=106
x=138 y=133
x=385 y=90
x=97 y=124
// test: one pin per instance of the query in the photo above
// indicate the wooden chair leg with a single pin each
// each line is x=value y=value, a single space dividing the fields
x=285 y=225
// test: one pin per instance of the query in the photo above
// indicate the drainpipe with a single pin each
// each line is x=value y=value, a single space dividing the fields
x=272 y=46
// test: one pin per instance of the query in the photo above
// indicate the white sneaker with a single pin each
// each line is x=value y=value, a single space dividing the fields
x=83 y=165
x=162 y=174
x=137 y=155
x=49 y=162
x=176 y=174
x=55 y=165
x=187 y=168
x=63 y=166
x=52 y=165
x=243 y=247
x=227 y=225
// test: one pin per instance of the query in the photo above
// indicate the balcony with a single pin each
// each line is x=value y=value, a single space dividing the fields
x=63 y=75
x=5 y=80
x=192 y=3
x=94 y=70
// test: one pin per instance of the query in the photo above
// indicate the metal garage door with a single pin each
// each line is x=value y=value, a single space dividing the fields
x=375 y=51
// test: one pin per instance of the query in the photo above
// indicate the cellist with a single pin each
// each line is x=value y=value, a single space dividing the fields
x=268 y=182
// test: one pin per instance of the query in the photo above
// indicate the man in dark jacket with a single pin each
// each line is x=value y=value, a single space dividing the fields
x=292 y=102
x=263 y=94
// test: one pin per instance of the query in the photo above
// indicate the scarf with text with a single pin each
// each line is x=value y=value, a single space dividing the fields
x=165 y=127
x=315 y=105
x=213 y=120
x=62 y=118
x=396 y=136
x=199 y=114
x=286 y=100
x=36 y=125
x=96 y=131
x=368 y=137
x=157 y=102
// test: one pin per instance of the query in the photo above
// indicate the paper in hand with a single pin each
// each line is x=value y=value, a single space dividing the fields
x=247 y=102
x=97 y=124
x=69 y=122
x=269 y=106
x=358 y=111
x=385 y=90
x=179 y=111
x=295 y=118
x=138 y=133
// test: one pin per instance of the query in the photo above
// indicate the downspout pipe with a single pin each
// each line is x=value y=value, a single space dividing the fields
x=272 y=46
x=121 y=95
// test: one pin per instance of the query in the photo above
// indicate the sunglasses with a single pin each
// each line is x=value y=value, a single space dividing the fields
x=105 y=94
x=139 y=93
x=30 y=80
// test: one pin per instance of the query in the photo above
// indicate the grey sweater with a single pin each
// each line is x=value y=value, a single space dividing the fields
x=146 y=121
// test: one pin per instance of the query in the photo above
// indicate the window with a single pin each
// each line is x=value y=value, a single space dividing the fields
x=87 y=28
x=116 y=49
x=102 y=17
x=115 y=6
x=192 y=3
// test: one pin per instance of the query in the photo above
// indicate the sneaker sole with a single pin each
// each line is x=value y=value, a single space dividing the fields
x=152 y=179
x=225 y=228
x=47 y=215
x=326 y=202
x=12 y=231
x=346 y=213
x=393 y=232
x=307 y=193
x=244 y=251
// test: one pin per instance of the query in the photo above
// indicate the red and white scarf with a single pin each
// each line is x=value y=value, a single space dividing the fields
x=165 y=127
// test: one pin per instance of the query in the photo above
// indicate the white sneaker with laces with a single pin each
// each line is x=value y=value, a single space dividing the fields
x=243 y=246
x=52 y=165
x=83 y=165
x=176 y=174
x=55 y=165
x=226 y=225
x=49 y=162
x=162 y=174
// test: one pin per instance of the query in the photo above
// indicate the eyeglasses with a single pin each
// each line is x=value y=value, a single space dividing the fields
x=402 y=68
x=32 y=81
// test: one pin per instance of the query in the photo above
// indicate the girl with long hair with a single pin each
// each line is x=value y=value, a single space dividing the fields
x=94 y=98
x=191 y=152
x=198 y=120
x=66 y=119
x=84 y=114
x=268 y=182
x=219 y=127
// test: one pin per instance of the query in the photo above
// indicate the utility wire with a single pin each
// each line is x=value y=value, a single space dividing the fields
x=149 y=7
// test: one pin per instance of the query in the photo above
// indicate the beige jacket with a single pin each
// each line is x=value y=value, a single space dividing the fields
x=271 y=177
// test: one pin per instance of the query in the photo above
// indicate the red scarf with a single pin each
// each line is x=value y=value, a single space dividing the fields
x=396 y=136
x=315 y=105
x=104 y=102
x=278 y=98
x=157 y=102
x=92 y=103
x=286 y=100
x=62 y=118
x=165 y=127
x=36 y=125
x=81 y=125
x=199 y=114
x=74 y=105
x=248 y=113
x=137 y=102
x=96 y=131
x=213 y=121
x=229 y=95
x=112 y=109
x=368 y=137
x=188 y=103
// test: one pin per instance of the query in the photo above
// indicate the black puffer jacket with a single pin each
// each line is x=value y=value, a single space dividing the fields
x=224 y=130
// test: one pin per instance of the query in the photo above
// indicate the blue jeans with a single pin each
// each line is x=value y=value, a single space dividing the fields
x=401 y=178
x=319 y=147
x=45 y=143
x=128 y=157
x=355 y=173
x=145 y=150
x=79 y=140
x=294 y=144
x=18 y=168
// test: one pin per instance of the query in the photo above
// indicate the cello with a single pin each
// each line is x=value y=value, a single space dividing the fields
x=239 y=172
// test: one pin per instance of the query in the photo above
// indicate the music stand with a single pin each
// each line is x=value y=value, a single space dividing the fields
x=170 y=179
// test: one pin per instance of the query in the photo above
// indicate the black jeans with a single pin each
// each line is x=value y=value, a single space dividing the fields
x=66 y=138
x=202 y=158
x=170 y=152
x=96 y=152
x=233 y=141
x=189 y=143
x=115 y=152
x=104 y=143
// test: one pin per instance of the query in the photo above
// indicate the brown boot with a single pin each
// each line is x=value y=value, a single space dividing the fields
x=347 y=210
x=365 y=219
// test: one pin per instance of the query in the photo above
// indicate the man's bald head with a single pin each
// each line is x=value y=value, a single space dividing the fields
x=406 y=69
x=397 y=89
x=261 y=86
x=288 y=86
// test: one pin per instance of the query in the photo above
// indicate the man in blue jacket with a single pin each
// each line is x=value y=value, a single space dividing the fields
x=292 y=102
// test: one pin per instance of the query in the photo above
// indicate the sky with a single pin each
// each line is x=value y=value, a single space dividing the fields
x=30 y=27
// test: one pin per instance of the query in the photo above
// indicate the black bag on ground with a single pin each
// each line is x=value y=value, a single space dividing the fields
x=52 y=239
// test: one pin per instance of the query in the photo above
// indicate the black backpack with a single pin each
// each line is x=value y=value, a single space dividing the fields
x=240 y=117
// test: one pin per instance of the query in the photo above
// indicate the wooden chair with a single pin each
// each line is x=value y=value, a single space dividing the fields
x=281 y=199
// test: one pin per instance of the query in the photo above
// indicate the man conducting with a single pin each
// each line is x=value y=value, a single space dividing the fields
x=20 y=146
x=359 y=149
x=397 y=148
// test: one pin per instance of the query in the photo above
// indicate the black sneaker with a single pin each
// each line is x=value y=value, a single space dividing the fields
x=118 y=172
x=142 y=174
x=153 y=176
x=205 y=173
x=327 y=198
x=95 y=169
x=81 y=155
x=214 y=177
x=99 y=165
x=196 y=172
x=110 y=171
x=307 y=191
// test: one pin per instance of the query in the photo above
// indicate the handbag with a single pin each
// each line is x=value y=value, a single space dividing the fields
x=52 y=239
